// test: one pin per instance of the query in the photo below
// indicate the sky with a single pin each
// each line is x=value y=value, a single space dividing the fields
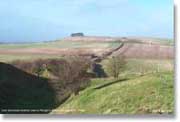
x=44 y=20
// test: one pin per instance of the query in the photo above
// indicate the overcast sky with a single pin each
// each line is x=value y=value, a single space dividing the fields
x=41 y=20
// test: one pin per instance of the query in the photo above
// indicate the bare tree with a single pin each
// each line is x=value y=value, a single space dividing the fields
x=116 y=65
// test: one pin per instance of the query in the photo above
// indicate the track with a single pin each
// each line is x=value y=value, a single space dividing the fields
x=98 y=59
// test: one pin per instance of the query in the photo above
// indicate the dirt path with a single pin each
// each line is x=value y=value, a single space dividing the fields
x=105 y=55
x=96 y=65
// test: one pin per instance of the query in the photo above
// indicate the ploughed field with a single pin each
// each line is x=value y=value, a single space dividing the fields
x=156 y=51
x=87 y=46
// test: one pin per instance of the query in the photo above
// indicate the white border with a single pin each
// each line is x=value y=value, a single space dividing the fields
x=81 y=118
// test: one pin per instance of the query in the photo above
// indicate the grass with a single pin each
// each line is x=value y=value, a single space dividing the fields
x=21 y=90
x=138 y=66
x=138 y=95
x=152 y=92
x=9 y=58
x=60 y=44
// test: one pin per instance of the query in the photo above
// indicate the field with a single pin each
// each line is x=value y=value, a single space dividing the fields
x=55 y=49
x=152 y=48
x=146 y=85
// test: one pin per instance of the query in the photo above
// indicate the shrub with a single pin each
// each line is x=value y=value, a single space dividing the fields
x=73 y=69
x=34 y=67
x=67 y=70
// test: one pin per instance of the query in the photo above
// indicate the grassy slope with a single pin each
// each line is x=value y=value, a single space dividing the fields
x=150 y=93
x=146 y=94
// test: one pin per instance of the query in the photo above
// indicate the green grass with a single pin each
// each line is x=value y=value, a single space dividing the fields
x=30 y=57
x=152 y=92
x=139 y=95
x=60 y=44
x=138 y=66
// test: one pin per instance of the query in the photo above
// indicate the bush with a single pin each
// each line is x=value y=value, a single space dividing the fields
x=72 y=69
x=69 y=73
x=67 y=70
x=36 y=67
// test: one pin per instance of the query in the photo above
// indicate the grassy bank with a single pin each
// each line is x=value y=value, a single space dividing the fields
x=146 y=86
x=151 y=93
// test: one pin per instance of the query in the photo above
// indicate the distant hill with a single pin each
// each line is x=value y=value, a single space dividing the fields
x=134 y=47
x=90 y=38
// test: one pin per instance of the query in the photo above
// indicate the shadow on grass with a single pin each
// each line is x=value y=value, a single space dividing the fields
x=111 y=83
x=21 y=92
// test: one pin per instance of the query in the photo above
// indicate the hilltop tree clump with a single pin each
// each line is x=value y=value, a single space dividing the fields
x=77 y=34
